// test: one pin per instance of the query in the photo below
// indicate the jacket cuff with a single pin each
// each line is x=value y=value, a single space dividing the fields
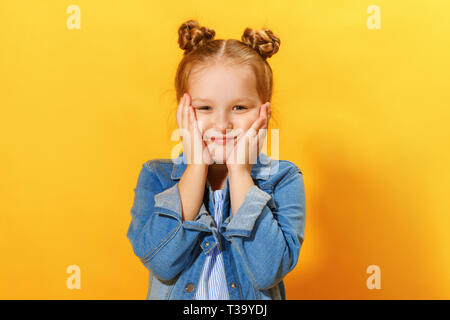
x=243 y=221
x=168 y=202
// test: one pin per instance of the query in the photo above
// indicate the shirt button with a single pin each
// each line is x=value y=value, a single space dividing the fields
x=206 y=244
x=190 y=287
x=233 y=285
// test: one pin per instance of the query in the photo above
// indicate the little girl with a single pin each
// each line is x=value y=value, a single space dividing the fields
x=222 y=220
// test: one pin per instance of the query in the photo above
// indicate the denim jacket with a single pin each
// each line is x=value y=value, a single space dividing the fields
x=260 y=244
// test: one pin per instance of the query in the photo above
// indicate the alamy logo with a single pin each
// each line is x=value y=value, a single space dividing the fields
x=374 y=20
x=74 y=280
x=374 y=281
x=74 y=20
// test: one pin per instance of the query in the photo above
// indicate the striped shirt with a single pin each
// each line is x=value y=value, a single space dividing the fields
x=212 y=283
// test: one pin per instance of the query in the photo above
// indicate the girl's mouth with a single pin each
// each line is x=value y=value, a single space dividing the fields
x=222 y=141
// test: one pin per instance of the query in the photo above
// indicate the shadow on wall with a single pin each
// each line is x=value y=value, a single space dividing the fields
x=361 y=215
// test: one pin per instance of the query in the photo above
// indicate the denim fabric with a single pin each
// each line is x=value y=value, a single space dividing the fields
x=260 y=244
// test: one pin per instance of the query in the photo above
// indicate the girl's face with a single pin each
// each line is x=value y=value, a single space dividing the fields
x=226 y=104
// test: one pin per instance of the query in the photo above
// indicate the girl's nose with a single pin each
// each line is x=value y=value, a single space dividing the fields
x=223 y=122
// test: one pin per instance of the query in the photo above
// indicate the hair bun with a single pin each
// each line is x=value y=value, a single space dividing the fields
x=263 y=41
x=191 y=35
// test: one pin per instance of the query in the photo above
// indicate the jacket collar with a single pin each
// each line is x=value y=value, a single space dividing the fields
x=260 y=169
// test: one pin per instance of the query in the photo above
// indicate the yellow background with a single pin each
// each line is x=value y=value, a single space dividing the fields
x=363 y=113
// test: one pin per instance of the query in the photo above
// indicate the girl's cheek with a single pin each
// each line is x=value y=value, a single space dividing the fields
x=202 y=126
x=247 y=123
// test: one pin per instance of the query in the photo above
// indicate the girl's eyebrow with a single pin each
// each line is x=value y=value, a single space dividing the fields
x=200 y=100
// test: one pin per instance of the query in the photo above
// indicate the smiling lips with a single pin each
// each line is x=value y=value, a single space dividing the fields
x=222 y=140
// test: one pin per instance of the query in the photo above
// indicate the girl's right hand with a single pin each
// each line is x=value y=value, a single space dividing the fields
x=194 y=147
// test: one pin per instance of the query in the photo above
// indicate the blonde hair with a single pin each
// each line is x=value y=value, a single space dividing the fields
x=201 y=49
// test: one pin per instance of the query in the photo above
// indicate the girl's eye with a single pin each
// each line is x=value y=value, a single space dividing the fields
x=206 y=107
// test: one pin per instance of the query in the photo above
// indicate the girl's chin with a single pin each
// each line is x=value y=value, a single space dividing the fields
x=219 y=159
x=219 y=155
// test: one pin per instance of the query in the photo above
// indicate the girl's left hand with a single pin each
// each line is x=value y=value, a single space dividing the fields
x=249 y=145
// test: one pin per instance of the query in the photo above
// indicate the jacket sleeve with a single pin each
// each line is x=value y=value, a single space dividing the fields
x=268 y=240
x=160 y=239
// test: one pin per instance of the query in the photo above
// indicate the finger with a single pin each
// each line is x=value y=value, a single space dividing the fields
x=257 y=139
x=179 y=110
x=252 y=132
x=261 y=138
x=194 y=129
x=197 y=144
x=268 y=114
x=253 y=151
x=185 y=120
x=263 y=132
x=188 y=101
x=194 y=115
x=190 y=113
x=265 y=114
x=258 y=123
x=190 y=121
x=198 y=124
x=198 y=131
x=241 y=150
x=185 y=114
